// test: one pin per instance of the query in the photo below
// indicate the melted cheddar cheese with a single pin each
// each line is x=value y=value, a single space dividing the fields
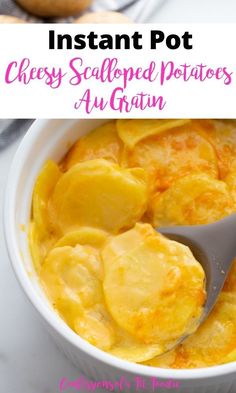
x=107 y=272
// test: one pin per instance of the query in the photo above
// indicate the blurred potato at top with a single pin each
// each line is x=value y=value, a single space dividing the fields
x=10 y=19
x=103 y=17
x=192 y=200
x=171 y=155
x=51 y=8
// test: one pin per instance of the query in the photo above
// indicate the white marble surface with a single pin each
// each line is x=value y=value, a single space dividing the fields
x=29 y=360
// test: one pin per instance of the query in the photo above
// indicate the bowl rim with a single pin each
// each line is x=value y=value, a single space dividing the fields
x=10 y=200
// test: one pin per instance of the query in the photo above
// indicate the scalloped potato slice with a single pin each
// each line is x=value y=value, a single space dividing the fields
x=45 y=183
x=69 y=279
x=135 y=351
x=230 y=282
x=41 y=235
x=230 y=180
x=230 y=357
x=93 y=239
x=84 y=235
x=172 y=155
x=166 y=360
x=222 y=135
x=103 y=142
x=164 y=283
x=100 y=194
x=39 y=246
x=76 y=293
x=96 y=326
x=214 y=340
x=133 y=131
x=96 y=329
x=34 y=245
x=191 y=200
x=66 y=272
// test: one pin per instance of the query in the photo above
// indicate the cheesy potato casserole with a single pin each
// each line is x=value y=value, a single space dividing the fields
x=116 y=281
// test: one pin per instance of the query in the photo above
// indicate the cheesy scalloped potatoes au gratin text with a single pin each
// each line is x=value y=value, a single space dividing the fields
x=107 y=272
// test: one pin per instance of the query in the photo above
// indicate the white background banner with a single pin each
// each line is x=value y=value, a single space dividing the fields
x=166 y=71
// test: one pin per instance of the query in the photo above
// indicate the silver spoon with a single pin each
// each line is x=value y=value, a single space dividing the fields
x=214 y=246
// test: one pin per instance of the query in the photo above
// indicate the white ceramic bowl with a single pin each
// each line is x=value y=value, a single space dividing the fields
x=50 y=139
